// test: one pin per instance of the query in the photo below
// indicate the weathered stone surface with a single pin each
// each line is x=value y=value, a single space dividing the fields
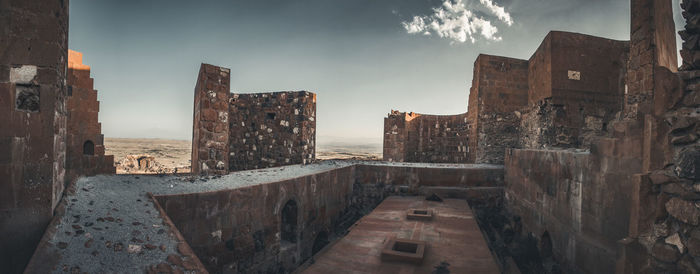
x=684 y=211
x=688 y=163
x=271 y=129
x=85 y=151
x=33 y=113
x=665 y=253
x=675 y=240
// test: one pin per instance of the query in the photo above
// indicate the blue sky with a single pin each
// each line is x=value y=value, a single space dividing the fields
x=362 y=57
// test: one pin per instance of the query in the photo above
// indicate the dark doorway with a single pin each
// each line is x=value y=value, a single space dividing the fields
x=88 y=148
x=320 y=242
x=289 y=222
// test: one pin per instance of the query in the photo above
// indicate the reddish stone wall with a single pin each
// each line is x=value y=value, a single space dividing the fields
x=33 y=57
x=499 y=89
x=85 y=152
x=239 y=230
x=653 y=43
x=272 y=129
x=580 y=199
x=577 y=86
x=413 y=137
x=210 y=132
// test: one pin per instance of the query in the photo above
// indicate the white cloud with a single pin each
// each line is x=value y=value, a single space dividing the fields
x=454 y=21
x=499 y=11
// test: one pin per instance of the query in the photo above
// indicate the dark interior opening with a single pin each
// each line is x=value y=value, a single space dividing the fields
x=420 y=212
x=289 y=222
x=88 y=148
x=405 y=247
x=546 y=245
x=320 y=242
x=271 y=115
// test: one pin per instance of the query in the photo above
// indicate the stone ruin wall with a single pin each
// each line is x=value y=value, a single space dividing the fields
x=639 y=193
x=499 y=90
x=210 y=128
x=271 y=129
x=248 y=131
x=239 y=230
x=33 y=59
x=85 y=151
x=413 y=137
x=577 y=85
x=563 y=97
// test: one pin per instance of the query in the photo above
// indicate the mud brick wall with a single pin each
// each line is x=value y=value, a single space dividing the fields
x=33 y=58
x=499 y=90
x=85 y=151
x=577 y=85
x=413 y=137
x=272 y=129
x=210 y=133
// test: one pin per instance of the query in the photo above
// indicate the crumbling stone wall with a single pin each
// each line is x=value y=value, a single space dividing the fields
x=413 y=137
x=499 y=90
x=85 y=152
x=664 y=227
x=653 y=43
x=210 y=129
x=33 y=59
x=577 y=85
x=238 y=131
x=271 y=129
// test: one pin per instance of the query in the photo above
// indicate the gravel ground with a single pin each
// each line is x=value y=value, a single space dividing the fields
x=110 y=224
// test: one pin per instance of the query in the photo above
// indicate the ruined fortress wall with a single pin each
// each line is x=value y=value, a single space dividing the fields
x=501 y=89
x=653 y=43
x=571 y=198
x=85 y=151
x=395 y=136
x=577 y=87
x=271 y=129
x=234 y=131
x=33 y=58
x=239 y=230
x=413 y=137
x=210 y=128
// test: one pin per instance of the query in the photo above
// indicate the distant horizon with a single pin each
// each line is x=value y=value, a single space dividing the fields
x=362 y=58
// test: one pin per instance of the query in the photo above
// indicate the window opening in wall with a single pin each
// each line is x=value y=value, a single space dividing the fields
x=88 y=148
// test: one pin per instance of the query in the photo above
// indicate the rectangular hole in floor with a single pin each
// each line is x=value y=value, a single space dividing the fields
x=405 y=247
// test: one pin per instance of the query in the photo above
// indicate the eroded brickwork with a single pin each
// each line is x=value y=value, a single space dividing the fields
x=413 y=137
x=272 y=129
x=210 y=133
x=85 y=151
x=33 y=58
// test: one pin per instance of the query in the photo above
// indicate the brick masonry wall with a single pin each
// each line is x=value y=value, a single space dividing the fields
x=272 y=129
x=210 y=133
x=412 y=137
x=83 y=127
x=33 y=58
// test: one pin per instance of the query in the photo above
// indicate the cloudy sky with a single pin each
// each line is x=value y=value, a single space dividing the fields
x=362 y=57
